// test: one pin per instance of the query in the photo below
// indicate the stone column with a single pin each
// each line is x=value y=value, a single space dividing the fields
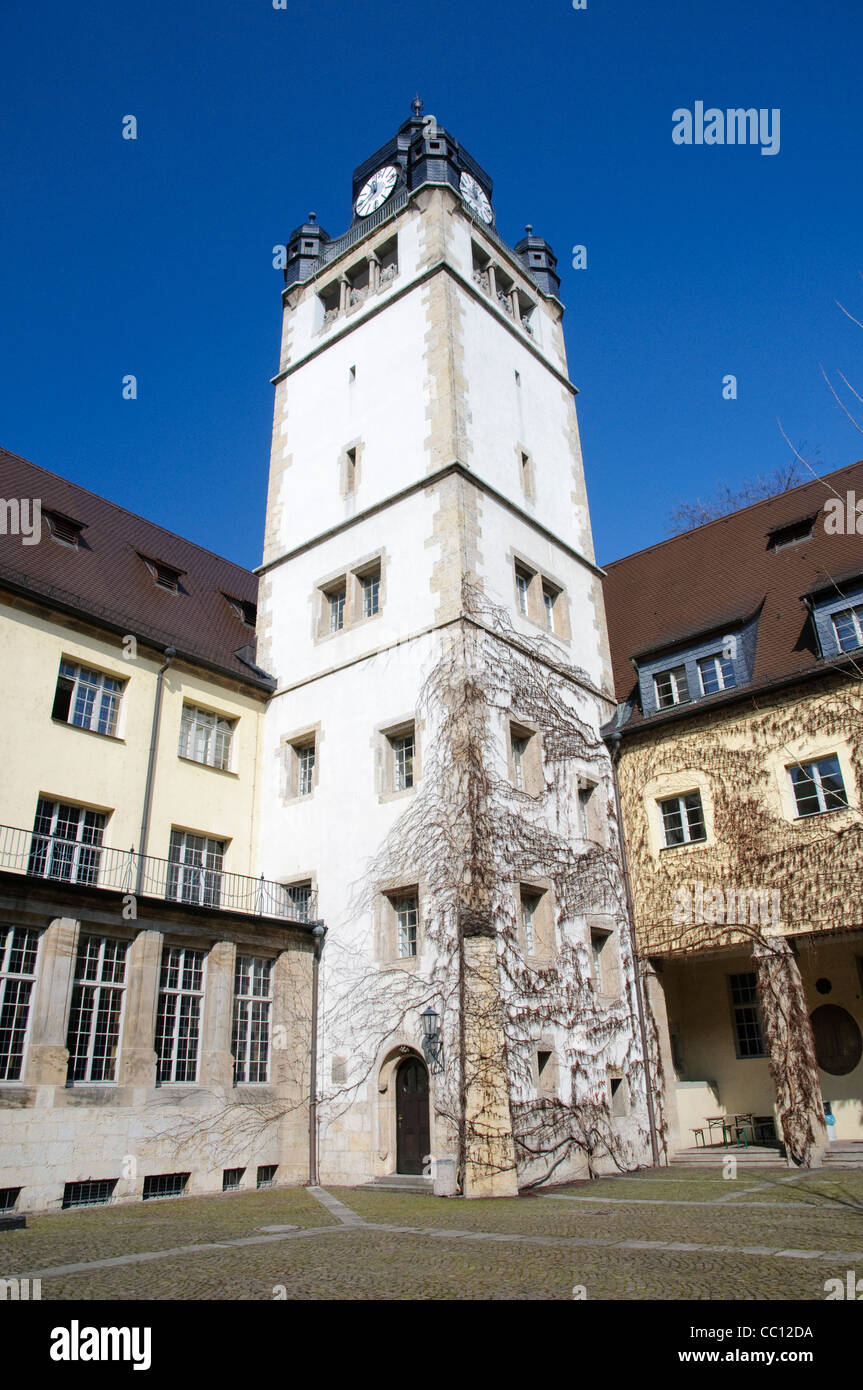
x=661 y=1074
x=492 y=281
x=490 y=1168
x=137 y=1045
x=374 y=272
x=791 y=1050
x=217 y=1062
x=47 y=1055
x=344 y=291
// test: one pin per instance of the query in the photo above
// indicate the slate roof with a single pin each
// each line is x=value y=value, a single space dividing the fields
x=703 y=580
x=105 y=579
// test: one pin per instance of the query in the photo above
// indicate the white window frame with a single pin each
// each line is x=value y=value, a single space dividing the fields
x=522 y=587
x=181 y=985
x=70 y=858
x=683 y=811
x=854 y=611
x=406 y=908
x=94 y=698
x=100 y=983
x=675 y=685
x=19 y=958
x=814 y=771
x=404 y=778
x=306 y=755
x=188 y=880
x=337 y=599
x=206 y=737
x=370 y=588
x=252 y=1019
x=519 y=744
x=723 y=667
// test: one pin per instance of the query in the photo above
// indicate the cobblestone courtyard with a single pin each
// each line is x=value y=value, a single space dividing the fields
x=667 y=1234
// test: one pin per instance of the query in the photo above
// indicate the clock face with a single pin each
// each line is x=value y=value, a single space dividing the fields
x=377 y=190
x=474 y=197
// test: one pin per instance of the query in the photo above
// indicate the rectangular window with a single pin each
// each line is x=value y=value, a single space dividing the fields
x=195 y=869
x=848 y=627
x=66 y=842
x=716 y=673
x=818 y=786
x=682 y=819
x=266 y=1174
x=406 y=908
x=300 y=899
x=164 y=1185
x=88 y=1194
x=305 y=768
x=178 y=1024
x=18 y=951
x=549 y=599
x=371 y=588
x=97 y=1004
x=231 y=1178
x=746 y=1016
x=584 y=798
x=519 y=750
x=672 y=687
x=253 y=1002
x=598 y=942
x=529 y=905
x=522 y=586
x=88 y=699
x=403 y=761
x=206 y=737
x=336 y=601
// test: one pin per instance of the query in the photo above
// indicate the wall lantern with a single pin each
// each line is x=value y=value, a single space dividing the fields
x=432 y=1045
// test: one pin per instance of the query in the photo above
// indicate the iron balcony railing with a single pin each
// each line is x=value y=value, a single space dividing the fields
x=123 y=871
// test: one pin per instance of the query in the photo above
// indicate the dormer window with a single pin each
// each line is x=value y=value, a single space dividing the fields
x=63 y=528
x=795 y=531
x=244 y=609
x=164 y=576
x=848 y=628
x=672 y=687
x=716 y=673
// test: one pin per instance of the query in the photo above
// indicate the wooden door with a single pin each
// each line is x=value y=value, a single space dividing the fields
x=412 y=1116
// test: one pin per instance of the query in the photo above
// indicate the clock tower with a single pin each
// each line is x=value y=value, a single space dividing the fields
x=431 y=609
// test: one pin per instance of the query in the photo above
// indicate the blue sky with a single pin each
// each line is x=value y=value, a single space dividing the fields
x=154 y=257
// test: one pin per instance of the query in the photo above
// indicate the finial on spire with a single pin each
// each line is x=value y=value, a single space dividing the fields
x=312 y=216
x=417 y=105
x=529 y=228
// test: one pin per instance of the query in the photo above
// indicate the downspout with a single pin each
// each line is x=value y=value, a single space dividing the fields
x=318 y=932
x=613 y=741
x=170 y=653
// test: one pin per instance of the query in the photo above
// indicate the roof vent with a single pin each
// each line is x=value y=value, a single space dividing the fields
x=164 y=576
x=791 y=533
x=63 y=528
x=244 y=609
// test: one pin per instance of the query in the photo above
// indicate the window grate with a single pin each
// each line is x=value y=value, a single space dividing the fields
x=88 y=1194
x=266 y=1174
x=8 y=1197
x=164 y=1185
x=231 y=1178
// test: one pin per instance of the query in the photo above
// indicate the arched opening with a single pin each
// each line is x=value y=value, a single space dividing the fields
x=412 y=1116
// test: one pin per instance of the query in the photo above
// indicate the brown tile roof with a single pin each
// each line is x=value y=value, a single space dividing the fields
x=702 y=580
x=106 y=579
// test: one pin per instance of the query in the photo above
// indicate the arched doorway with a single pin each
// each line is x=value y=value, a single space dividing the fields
x=412 y=1116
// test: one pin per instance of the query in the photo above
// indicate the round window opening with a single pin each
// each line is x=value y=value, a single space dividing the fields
x=838 y=1041
x=823 y=985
